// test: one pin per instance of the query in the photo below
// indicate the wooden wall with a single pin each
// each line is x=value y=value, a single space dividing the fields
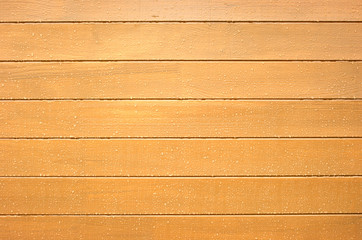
x=225 y=119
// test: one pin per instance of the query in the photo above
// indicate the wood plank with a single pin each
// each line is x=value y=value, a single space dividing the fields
x=180 y=195
x=181 y=41
x=183 y=227
x=189 y=118
x=127 y=80
x=186 y=10
x=177 y=157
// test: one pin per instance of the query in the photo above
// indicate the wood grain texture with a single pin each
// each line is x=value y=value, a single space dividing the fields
x=181 y=41
x=127 y=80
x=182 y=227
x=180 y=195
x=186 y=10
x=189 y=118
x=171 y=157
x=161 y=119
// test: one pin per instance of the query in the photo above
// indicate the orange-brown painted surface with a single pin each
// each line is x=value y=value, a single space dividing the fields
x=180 y=195
x=181 y=41
x=158 y=80
x=160 y=119
x=180 y=157
x=186 y=10
x=136 y=118
x=318 y=227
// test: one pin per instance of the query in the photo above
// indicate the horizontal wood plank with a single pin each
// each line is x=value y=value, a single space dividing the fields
x=186 y=10
x=191 y=118
x=180 y=195
x=142 y=80
x=183 y=227
x=181 y=41
x=249 y=186
x=191 y=157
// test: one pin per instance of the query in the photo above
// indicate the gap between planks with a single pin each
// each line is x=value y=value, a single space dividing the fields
x=182 y=215
x=165 y=22
x=188 y=177
x=168 y=138
x=184 y=60
x=178 y=99
x=175 y=138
